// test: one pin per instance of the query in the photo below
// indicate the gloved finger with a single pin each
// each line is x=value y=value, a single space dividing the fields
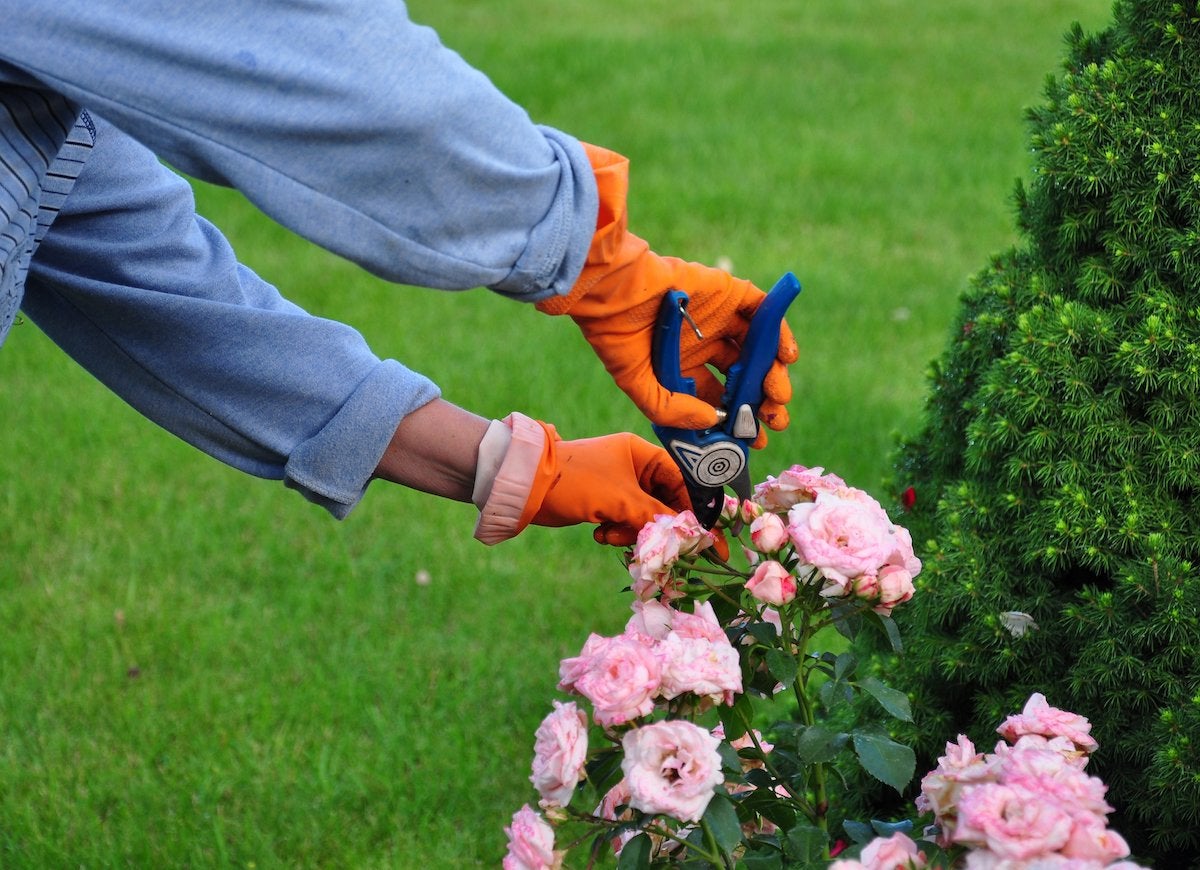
x=720 y=545
x=774 y=415
x=615 y=535
x=719 y=354
x=659 y=476
x=777 y=385
x=760 y=440
x=788 y=351
x=708 y=386
x=634 y=374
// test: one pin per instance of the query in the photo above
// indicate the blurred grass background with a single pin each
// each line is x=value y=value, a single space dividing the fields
x=199 y=669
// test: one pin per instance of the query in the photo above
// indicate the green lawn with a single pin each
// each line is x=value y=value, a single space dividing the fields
x=198 y=669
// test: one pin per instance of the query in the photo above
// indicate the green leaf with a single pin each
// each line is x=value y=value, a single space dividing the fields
x=636 y=853
x=844 y=665
x=805 y=844
x=819 y=744
x=884 y=758
x=722 y=820
x=892 y=700
x=886 y=829
x=847 y=619
x=890 y=630
x=763 y=632
x=762 y=859
x=731 y=762
x=782 y=666
x=736 y=719
x=860 y=832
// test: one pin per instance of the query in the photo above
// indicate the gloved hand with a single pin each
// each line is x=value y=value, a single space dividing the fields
x=620 y=482
x=616 y=303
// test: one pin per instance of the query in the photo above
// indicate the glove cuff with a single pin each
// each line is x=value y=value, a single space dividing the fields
x=518 y=455
x=611 y=237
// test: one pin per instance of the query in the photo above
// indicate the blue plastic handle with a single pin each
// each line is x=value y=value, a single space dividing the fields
x=744 y=382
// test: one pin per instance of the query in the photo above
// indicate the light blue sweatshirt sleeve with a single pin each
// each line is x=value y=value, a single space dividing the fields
x=341 y=119
x=150 y=298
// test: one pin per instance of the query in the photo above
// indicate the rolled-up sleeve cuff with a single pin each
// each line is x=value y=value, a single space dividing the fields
x=509 y=491
x=558 y=246
x=334 y=466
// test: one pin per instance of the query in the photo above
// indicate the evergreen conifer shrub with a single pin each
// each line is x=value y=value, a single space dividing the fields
x=1057 y=474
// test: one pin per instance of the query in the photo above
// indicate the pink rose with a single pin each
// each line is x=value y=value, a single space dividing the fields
x=942 y=787
x=1091 y=840
x=1039 y=717
x=771 y=583
x=769 y=533
x=530 y=843
x=651 y=619
x=619 y=675
x=698 y=658
x=671 y=767
x=700 y=623
x=1064 y=747
x=1011 y=822
x=895 y=587
x=559 y=754
x=797 y=484
x=1052 y=774
x=896 y=852
x=842 y=537
x=660 y=544
x=701 y=667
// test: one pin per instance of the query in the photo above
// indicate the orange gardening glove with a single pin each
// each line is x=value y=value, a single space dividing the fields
x=616 y=303
x=619 y=482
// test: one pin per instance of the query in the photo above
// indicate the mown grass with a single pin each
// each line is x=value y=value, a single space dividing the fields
x=198 y=669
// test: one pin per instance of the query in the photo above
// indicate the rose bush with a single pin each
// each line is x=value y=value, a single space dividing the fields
x=720 y=715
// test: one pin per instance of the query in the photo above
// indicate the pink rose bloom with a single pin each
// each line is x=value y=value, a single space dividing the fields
x=771 y=583
x=651 y=619
x=842 y=538
x=847 y=864
x=1052 y=774
x=769 y=533
x=530 y=843
x=559 y=754
x=671 y=767
x=1039 y=717
x=941 y=787
x=702 y=623
x=903 y=555
x=1013 y=823
x=662 y=543
x=731 y=508
x=797 y=484
x=896 y=852
x=1091 y=840
x=895 y=587
x=701 y=667
x=1064 y=747
x=619 y=675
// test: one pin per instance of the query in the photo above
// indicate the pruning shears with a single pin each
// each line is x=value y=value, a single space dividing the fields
x=719 y=456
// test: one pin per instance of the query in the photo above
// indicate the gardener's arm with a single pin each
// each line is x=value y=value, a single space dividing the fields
x=346 y=122
x=356 y=128
x=150 y=298
x=519 y=472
